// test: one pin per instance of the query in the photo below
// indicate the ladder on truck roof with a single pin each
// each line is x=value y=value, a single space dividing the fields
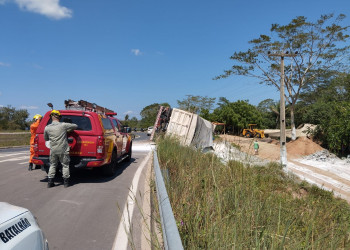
x=87 y=106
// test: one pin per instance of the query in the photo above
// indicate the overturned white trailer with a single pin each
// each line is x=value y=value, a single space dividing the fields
x=191 y=129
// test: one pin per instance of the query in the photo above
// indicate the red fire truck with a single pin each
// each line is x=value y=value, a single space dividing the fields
x=100 y=141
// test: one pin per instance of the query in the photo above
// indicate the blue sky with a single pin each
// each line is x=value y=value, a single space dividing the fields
x=128 y=54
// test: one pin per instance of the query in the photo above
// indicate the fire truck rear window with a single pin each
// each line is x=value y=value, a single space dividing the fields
x=83 y=122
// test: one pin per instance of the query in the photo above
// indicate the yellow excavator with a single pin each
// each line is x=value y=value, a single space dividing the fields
x=252 y=131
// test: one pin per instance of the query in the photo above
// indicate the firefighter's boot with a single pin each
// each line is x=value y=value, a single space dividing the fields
x=50 y=183
x=30 y=167
x=66 y=182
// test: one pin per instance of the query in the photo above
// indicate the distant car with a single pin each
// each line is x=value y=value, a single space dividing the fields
x=19 y=229
x=149 y=131
x=127 y=129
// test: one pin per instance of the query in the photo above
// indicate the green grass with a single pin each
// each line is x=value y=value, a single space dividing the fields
x=7 y=140
x=232 y=206
x=235 y=146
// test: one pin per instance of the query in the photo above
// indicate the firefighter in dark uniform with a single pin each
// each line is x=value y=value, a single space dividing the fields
x=56 y=134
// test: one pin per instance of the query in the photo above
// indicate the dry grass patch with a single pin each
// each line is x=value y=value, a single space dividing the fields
x=230 y=206
x=14 y=139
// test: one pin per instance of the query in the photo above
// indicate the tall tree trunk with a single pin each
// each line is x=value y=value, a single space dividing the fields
x=292 y=123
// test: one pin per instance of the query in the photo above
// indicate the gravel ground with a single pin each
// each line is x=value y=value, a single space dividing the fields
x=226 y=152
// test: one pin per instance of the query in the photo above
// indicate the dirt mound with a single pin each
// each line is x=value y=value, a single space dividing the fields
x=270 y=149
x=302 y=146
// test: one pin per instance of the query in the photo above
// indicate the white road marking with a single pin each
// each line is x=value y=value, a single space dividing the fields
x=7 y=155
x=121 y=239
x=71 y=202
x=142 y=147
x=15 y=159
x=22 y=163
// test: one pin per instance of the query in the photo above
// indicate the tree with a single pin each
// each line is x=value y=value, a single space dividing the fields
x=149 y=114
x=319 y=49
x=334 y=131
x=196 y=104
x=126 y=121
x=133 y=122
x=270 y=112
x=236 y=115
x=328 y=107
x=12 y=119
x=126 y=118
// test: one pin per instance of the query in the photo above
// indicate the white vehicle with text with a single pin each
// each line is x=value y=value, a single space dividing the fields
x=19 y=229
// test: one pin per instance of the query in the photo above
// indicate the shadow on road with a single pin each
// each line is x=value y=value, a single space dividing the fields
x=90 y=175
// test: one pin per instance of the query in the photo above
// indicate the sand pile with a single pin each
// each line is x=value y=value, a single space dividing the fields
x=303 y=146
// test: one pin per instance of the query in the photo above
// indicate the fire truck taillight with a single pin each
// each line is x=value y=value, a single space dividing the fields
x=36 y=147
x=100 y=147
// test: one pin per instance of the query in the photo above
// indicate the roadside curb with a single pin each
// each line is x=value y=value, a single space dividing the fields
x=146 y=221
x=122 y=237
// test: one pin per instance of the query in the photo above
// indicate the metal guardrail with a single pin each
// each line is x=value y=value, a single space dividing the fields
x=171 y=234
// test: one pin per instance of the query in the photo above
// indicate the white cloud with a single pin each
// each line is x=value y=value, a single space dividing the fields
x=3 y=64
x=48 y=8
x=128 y=112
x=1 y=106
x=28 y=107
x=136 y=52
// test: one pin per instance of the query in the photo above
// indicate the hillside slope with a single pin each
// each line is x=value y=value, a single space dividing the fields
x=306 y=159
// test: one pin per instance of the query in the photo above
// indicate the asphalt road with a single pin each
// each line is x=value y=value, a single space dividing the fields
x=84 y=216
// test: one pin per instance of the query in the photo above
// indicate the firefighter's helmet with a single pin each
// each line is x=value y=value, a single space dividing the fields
x=37 y=116
x=55 y=113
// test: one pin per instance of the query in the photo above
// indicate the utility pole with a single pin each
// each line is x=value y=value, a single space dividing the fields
x=283 y=145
